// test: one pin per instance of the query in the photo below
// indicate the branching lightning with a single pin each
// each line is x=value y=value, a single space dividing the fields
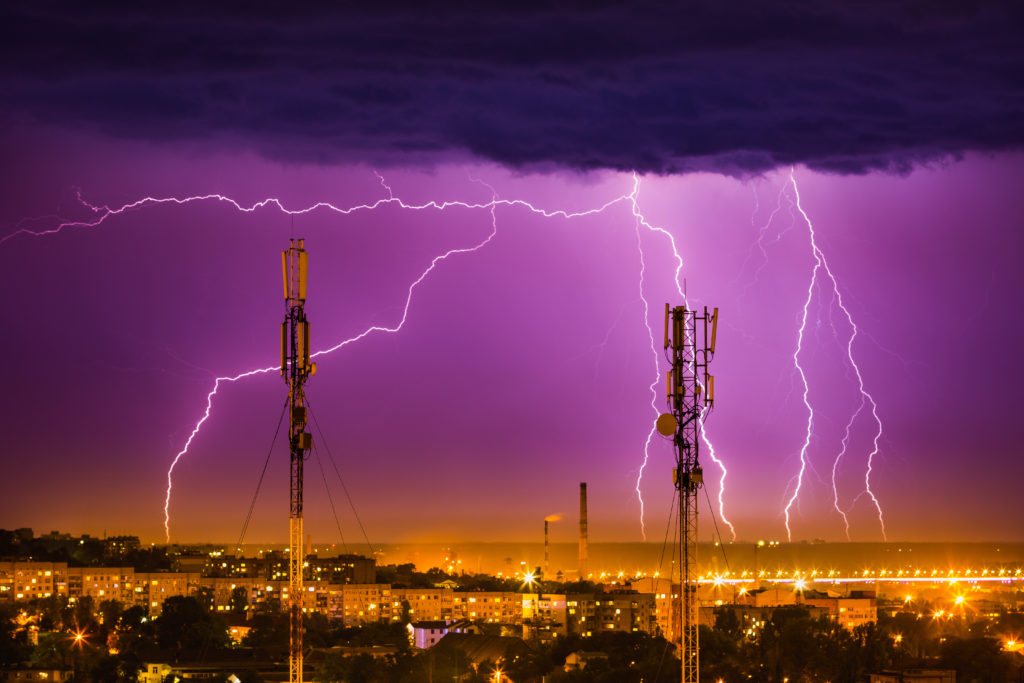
x=102 y=213
x=821 y=276
x=654 y=384
x=761 y=234
x=641 y=220
x=866 y=399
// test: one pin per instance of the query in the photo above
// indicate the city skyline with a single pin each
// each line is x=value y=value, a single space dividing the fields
x=524 y=367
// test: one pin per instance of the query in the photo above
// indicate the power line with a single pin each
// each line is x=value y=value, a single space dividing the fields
x=344 y=488
x=330 y=499
x=263 y=472
x=721 y=541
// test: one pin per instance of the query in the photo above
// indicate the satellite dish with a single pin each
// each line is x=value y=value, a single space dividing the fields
x=666 y=424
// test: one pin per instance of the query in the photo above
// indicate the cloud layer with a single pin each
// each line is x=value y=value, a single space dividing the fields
x=735 y=87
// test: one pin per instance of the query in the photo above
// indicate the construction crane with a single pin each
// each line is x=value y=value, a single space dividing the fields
x=690 y=345
x=295 y=368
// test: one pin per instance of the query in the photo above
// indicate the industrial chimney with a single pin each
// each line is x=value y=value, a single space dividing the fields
x=547 y=520
x=545 y=548
x=583 y=531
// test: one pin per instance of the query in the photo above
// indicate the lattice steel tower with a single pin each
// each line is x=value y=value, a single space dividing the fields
x=690 y=344
x=295 y=368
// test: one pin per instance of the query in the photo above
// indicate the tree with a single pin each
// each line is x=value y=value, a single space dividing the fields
x=728 y=623
x=443 y=665
x=134 y=630
x=110 y=612
x=184 y=623
x=12 y=652
x=50 y=612
x=239 y=599
x=82 y=613
x=913 y=631
x=268 y=630
x=719 y=650
x=339 y=668
x=975 y=659
x=206 y=598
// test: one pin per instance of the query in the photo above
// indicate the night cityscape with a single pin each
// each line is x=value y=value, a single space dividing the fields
x=552 y=342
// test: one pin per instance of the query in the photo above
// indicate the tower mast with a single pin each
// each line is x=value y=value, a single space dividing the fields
x=295 y=368
x=690 y=343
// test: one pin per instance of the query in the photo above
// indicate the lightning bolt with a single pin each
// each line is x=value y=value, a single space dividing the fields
x=102 y=213
x=657 y=375
x=866 y=399
x=761 y=234
x=835 y=468
x=640 y=219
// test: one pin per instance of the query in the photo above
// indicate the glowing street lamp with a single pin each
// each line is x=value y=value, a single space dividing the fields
x=78 y=640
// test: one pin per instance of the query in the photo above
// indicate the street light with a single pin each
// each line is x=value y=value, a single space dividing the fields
x=77 y=641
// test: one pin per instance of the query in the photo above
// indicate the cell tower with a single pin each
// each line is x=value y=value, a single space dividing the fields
x=295 y=368
x=691 y=392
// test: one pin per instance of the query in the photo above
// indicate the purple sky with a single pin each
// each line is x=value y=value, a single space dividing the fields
x=522 y=368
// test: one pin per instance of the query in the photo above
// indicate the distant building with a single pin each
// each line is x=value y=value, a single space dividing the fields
x=366 y=603
x=342 y=569
x=493 y=607
x=101 y=583
x=33 y=580
x=584 y=614
x=545 y=615
x=768 y=597
x=426 y=634
x=666 y=604
x=427 y=604
x=274 y=567
x=150 y=589
x=238 y=585
x=154 y=673
x=857 y=609
x=120 y=545
x=631 y=612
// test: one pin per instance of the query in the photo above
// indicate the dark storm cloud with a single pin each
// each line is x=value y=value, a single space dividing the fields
x=729 y=86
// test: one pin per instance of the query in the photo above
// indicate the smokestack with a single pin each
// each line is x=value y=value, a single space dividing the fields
x=549 y=518
x=583 y=530
x=545 y=548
